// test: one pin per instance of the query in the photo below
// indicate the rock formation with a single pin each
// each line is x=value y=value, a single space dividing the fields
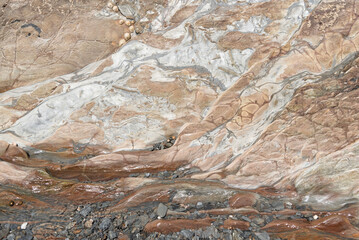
x=249 y=108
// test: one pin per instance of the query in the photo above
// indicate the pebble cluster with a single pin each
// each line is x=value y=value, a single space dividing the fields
x=164 y=144
x=129 y=23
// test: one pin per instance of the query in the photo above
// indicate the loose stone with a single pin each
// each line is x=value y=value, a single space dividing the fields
x=131 y=28
x=115 y=8
x=127 y=36
x=162 y=210
x=11 y=237
x=88 y=223
x=121 y=42
x=199 y=205
x=23 y=226
x=85 y=211
x=262 y=235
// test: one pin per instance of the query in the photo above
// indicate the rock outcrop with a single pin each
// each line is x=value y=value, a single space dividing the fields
x=182 y=102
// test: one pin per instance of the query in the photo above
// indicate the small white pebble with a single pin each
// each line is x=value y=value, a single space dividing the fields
x=127 y=36
x=131 y=28
x=115 y=8
x=24 y=225
x=121 y=42
x=315 y=217
x=128 y=23
x=121 y=21
x=109 y=5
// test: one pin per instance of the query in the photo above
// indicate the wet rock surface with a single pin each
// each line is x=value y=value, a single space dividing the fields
x=179 y=119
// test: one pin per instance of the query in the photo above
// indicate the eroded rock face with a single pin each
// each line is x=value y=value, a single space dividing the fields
x=259 y=96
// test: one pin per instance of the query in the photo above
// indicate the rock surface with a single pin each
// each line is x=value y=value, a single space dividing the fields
x=224 y=118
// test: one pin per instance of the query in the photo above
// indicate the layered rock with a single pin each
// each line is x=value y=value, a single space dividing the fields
x=256 y=94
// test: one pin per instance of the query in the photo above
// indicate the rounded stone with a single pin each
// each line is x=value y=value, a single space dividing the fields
x=127 y=36
x=121 y=42
x=109 y=5
x=131 y=28
x=121 y=21
x=115 y=8
x=128 y=23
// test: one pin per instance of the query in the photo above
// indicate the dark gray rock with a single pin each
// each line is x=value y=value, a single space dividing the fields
x=143 y=220
x=105 y=223
x=246 y=219
x=28 y=234
x=210 y=232
x=162 y=210
x=13 y=227
x=86 y=210
x=112 y=235
x=131 y=219
x=3 y=233
x=186 y=233
x=246 y=234
x=262 y=235
x=237 y=236
x=11 y=236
